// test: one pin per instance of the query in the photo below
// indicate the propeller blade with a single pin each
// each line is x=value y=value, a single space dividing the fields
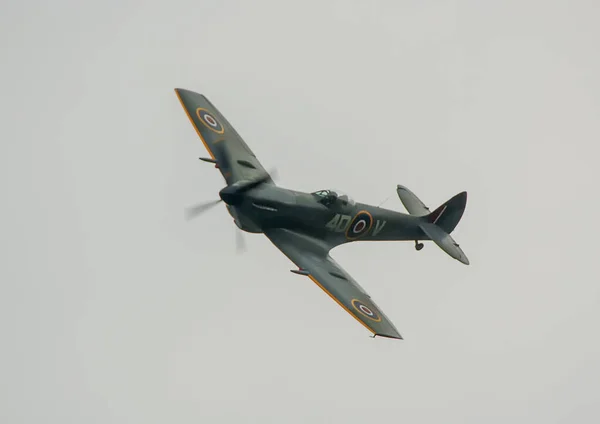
x=198 y=209
x=240 y=242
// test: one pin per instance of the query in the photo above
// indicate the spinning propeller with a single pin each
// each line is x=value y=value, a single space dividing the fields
x=233 y=195
x=198 y=209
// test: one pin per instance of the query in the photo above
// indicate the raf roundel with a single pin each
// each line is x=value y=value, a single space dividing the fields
x=365 y=310
x=209 y=121
x=360 y=225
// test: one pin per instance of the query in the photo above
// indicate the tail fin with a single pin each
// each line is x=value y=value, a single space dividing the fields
x=446 y=216
x=438 y=225
x=449 y=214
x=441 y=222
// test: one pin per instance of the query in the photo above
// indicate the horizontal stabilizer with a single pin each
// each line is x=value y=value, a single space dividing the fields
x=444 y=241
x=411 y=202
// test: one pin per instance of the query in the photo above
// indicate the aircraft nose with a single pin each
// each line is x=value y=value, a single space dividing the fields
x=230 y=196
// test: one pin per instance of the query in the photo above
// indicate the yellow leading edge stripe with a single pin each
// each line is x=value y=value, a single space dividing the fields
x=340 y=303
x=194 y=125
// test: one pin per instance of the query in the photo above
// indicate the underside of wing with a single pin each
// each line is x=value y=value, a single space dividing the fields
x=313 y=259
x=233 y=157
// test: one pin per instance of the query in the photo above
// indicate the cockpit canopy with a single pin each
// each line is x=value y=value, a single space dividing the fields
x=329 y=197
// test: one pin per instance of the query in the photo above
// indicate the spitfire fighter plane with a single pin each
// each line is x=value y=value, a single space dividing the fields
x=306 y=226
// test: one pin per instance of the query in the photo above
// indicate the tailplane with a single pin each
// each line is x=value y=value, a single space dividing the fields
x=444 y=241
x=438 y=225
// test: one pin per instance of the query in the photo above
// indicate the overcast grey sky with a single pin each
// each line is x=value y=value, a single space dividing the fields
x=115 y=310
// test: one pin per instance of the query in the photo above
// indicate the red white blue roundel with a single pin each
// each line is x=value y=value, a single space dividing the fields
x=365 y=310
x=360 y=225
x=209 y=121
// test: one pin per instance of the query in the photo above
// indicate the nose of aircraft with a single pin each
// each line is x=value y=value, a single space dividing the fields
x=230 y=195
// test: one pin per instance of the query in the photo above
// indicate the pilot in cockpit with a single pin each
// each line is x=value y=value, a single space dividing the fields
x=330 y=197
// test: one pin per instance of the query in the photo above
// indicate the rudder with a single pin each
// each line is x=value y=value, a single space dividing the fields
x=441 y=222
x=448 y=215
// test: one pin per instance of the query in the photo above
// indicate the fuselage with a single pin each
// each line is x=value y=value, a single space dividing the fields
x=338 y=222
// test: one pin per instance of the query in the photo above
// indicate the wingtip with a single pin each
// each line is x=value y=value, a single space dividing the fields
x=189 y=94
x=396 y=336
x=179 y=90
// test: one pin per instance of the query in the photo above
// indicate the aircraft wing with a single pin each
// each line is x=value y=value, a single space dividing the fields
x=312 y=257
x=233 y=157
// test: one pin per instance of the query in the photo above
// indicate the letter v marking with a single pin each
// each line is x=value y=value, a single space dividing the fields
x=379 y=226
